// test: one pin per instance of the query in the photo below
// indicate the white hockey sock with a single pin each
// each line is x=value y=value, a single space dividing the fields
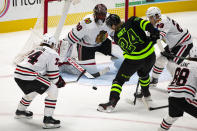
x=50 y=100
x=167 y=123
x=161 y=62
x=26 y=101
x=156 y=71
x=49 y=107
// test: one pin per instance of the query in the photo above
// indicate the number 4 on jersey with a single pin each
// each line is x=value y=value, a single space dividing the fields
x=33 y=58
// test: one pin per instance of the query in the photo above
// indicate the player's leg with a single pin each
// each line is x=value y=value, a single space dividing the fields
x=158 y=68
x=50 y=104
x=143 y=73
x=86 y=58
x=24 y=103
x=26 y=87
x=127 y=69
x=174 y=112
x=108 y=48
x=191 y=107
x=66 y=50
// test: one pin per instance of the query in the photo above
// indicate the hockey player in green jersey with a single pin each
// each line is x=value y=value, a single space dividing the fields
x=138 y=53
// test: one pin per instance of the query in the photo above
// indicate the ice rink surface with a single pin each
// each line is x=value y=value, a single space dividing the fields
x=77 y=103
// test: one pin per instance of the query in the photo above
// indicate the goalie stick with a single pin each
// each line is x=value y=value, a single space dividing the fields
x=87 y=74
x=77 y=78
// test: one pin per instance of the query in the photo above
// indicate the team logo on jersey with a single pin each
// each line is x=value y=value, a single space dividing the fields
x=87 y=21
x=4 y=5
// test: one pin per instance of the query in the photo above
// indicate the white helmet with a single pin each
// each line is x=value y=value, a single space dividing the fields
x=49 y=39
x=153 y=11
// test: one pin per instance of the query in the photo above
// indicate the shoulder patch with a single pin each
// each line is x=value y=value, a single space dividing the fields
x=87 y=21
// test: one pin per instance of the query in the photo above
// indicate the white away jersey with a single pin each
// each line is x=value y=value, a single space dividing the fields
x=86 y=31
x=41 y=61
x=184 y=83
x=172 y=33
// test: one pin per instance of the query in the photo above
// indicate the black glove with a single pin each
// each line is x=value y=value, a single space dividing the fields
x=61 y=83
x=154 y=35
x=168 y=55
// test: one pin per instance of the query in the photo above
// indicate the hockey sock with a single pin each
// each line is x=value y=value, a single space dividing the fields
x=26 y=101
x=167 y=122
x=23 y=104
x=156 y=71
x=49 y=107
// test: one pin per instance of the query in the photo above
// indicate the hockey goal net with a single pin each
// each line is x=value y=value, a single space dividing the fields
x=56 y=14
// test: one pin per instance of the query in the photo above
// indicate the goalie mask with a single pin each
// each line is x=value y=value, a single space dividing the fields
x=49 y=39
x=153 y=13
x=100 y=12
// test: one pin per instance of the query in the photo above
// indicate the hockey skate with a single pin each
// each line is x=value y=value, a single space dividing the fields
x=107 y=107
x=23 y=114
x=145 y=93
x=50 y=123
x=153 y=82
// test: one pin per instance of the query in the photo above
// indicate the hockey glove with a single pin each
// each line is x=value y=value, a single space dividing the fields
x=169 y=56
x=61 y=83
x=154 y=36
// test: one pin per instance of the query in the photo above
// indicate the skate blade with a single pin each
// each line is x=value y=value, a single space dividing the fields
x=108 y=110
x=50 y=126
x=23 y=117
x=131 y=101
x=153 y=85
x=148 y=98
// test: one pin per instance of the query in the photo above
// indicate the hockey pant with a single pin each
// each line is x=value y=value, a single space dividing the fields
x=127 y=69
x=162 y=61
x=177 y=107
x=50 y=99
x=86 y=57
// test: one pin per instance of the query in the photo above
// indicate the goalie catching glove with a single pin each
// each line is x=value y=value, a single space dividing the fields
x=101 y=37
x=61 y=83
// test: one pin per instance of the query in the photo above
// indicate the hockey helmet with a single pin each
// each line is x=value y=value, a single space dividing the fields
x=100 y=12
x=153 y=11
x=49 y=39
x=112 y=19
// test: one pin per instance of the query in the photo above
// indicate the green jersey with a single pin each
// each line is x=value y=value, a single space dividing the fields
x=132 y=39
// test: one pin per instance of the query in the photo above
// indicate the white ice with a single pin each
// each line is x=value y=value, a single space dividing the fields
x=77 y=103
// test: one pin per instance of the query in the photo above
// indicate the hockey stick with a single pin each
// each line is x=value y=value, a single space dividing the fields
x=87 y=74
x=77 y=78
x=156 y=108
x=171 y=55
x=134 y=102
x=152 y=108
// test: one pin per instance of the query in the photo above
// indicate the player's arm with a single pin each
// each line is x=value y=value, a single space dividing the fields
x=164 y=27
x=77 y=33
x=145 y=25
x=53 y=71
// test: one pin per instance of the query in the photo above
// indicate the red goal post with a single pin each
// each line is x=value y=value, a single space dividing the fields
x=120 y=11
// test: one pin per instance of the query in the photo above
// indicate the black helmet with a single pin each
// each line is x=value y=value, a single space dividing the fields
x=113 y=19
x=100 y=12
